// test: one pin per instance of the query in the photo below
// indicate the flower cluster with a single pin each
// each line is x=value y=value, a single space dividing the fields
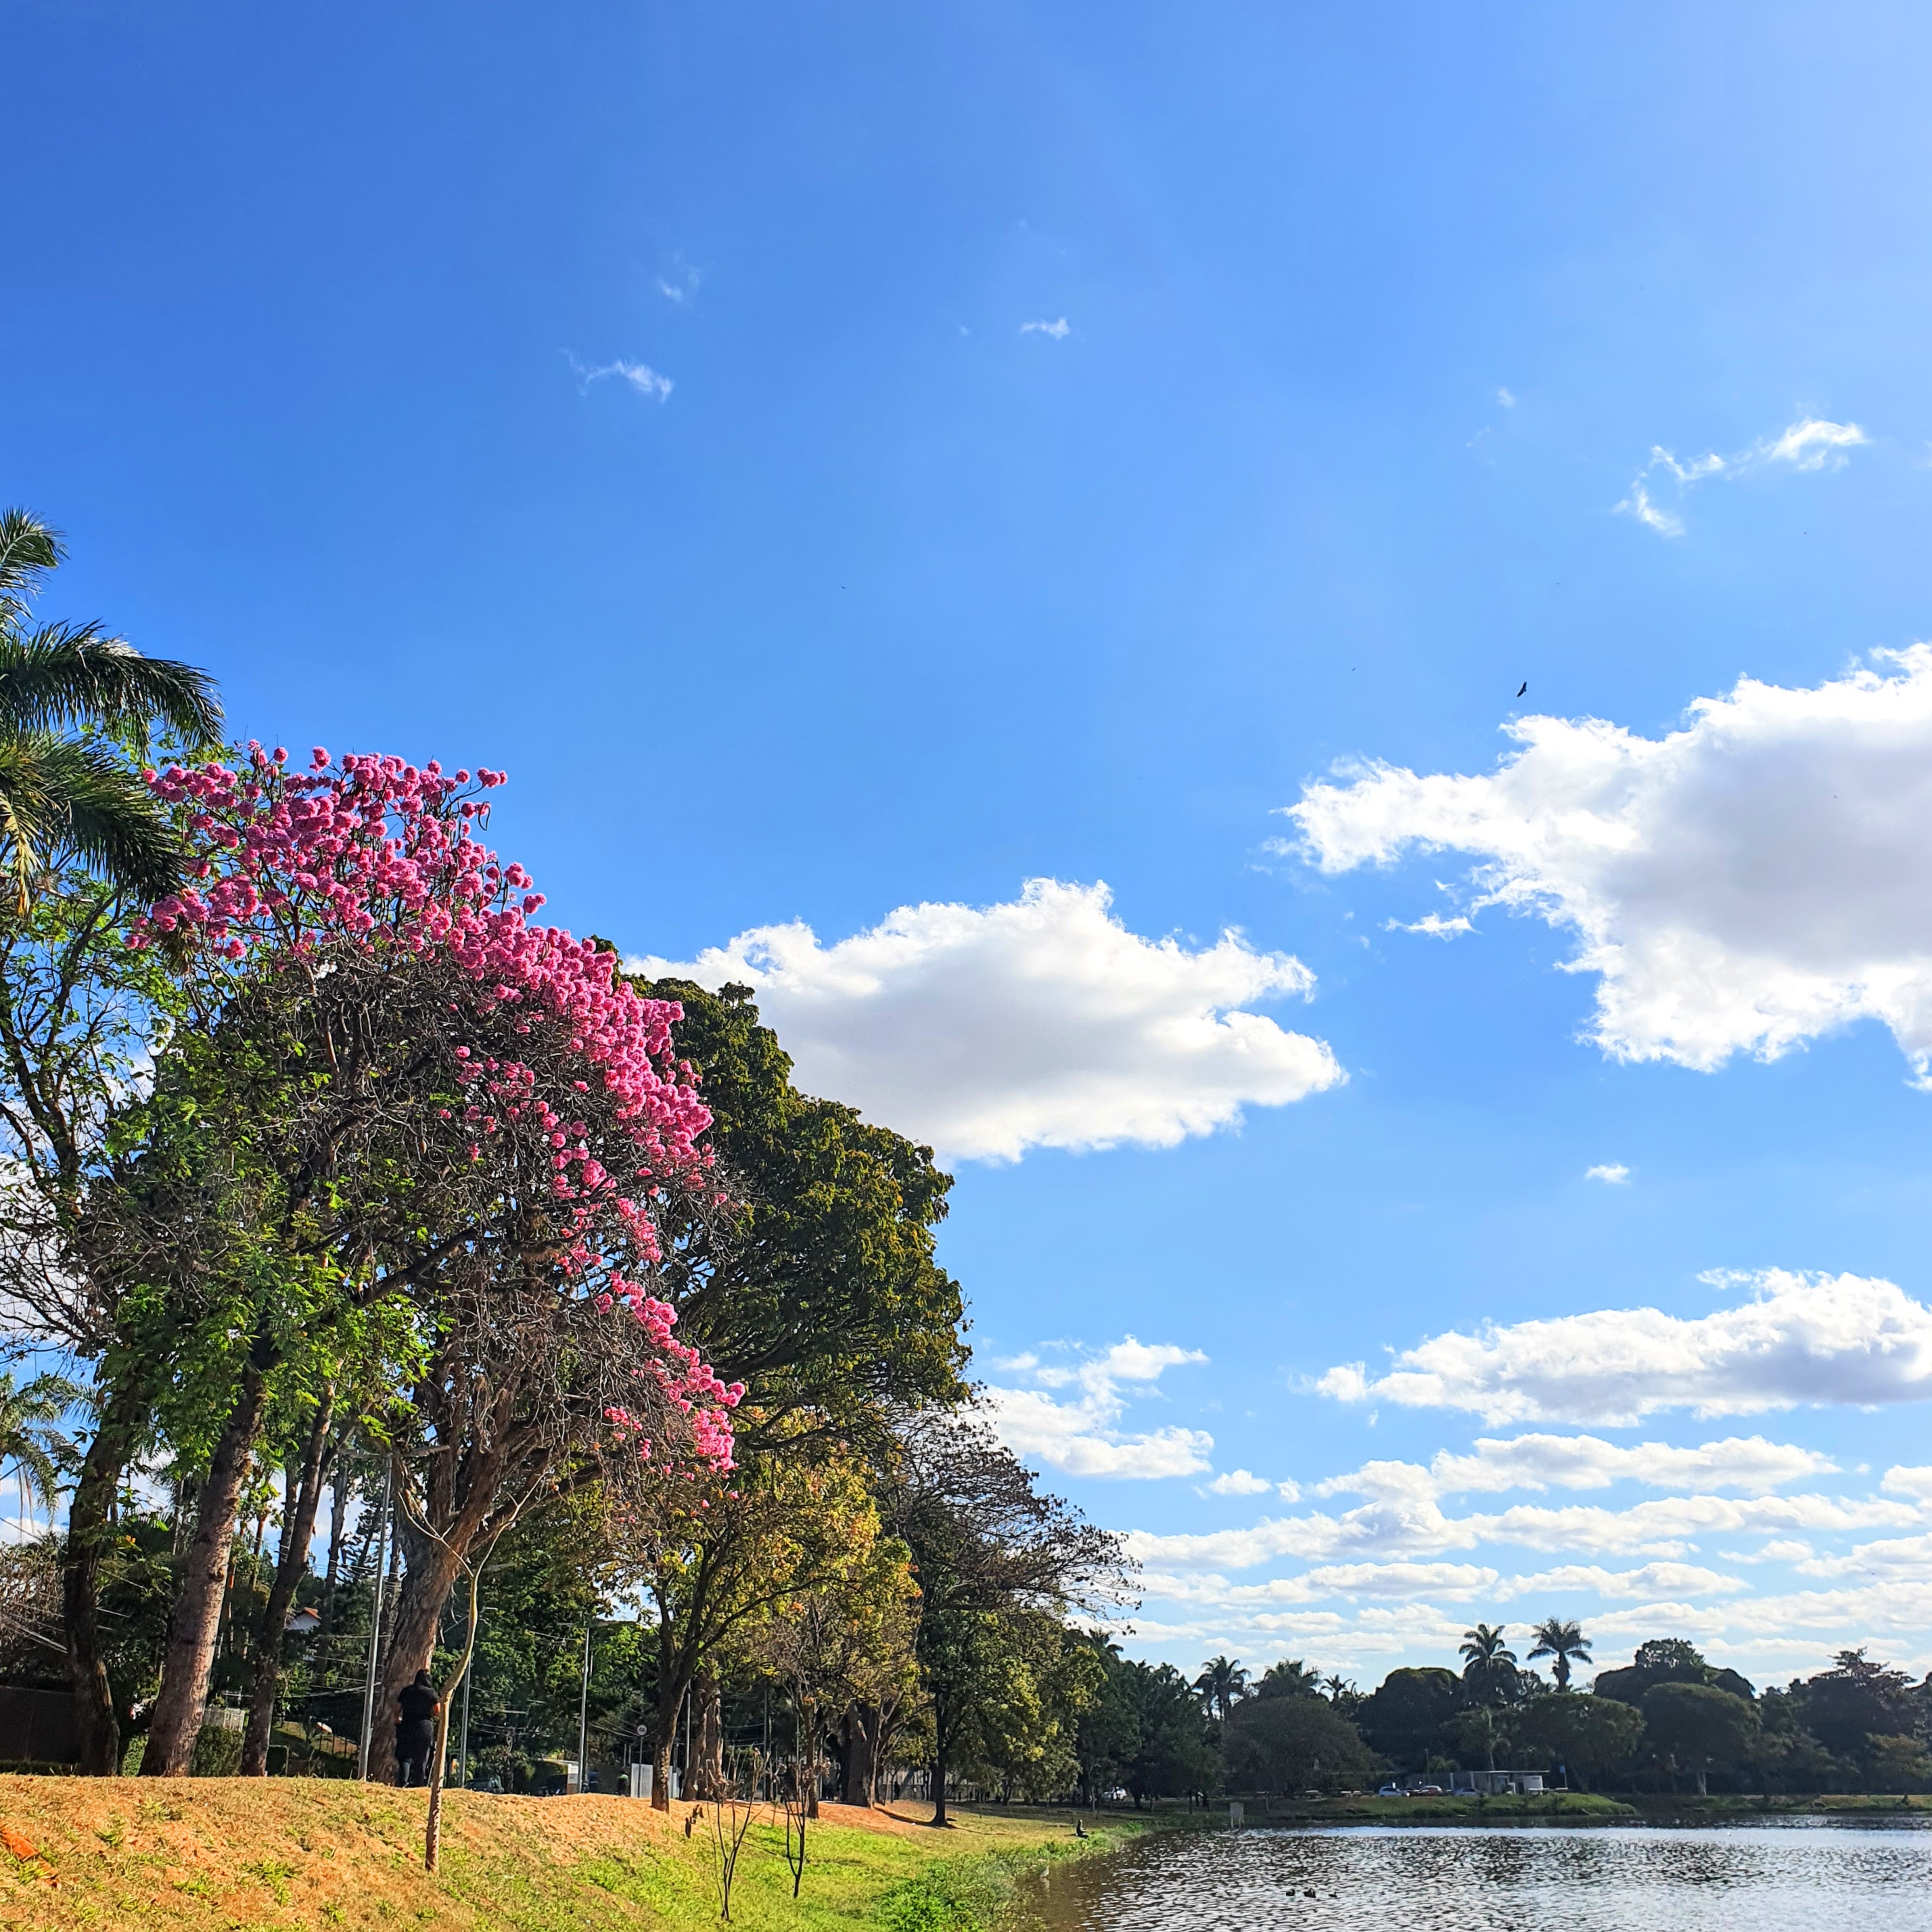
x=374 y=863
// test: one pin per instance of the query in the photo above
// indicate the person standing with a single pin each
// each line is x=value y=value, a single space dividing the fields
x=417 y=1705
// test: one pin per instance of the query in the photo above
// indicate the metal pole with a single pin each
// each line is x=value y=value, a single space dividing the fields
x=375 y=1632
x=462 y=1745
x=583 y=1721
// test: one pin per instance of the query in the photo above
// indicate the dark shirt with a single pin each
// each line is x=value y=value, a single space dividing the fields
x=417 y=1702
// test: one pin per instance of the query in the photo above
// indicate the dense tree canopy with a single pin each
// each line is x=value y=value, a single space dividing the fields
x=817 y=1287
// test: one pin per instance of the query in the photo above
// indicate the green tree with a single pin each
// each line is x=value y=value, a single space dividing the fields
x=1021 y=1735
x=1404 y=1717
x=1561 y=1640
x=1857 y=1699
x=1584 y=1735
x=61 y=795
x=1667 y=1660
x=1171 y=1752
x=1698 y=1728
x=1293 y=1744
x=83 y=1018
x=1489 y=1671
x=843 y=1641
x=751 y=1565
x=818 y=1288
x=33 y=1448
x=1290 y=1678
x=1221 y=1685
x=988 y=1547
x=1896 y=1763
x=1108 y=1733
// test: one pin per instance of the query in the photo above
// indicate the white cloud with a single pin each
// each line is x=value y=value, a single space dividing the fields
x=1239 y=1483
x=1652 y=1580
x=1613 y=1173
x=1042 y=1021
x=1540 y=1462
x=1742 y=885
x=640 y=376
x=1890 y=1556
x=1799 y=1339
x=1432 y=925
x=1507 y=400
x=1810 y=444
x=1395 y=1526
x=1383 y=1580
x=1082 y=1437
x=1779 y=1549
x=1399 y=1579
x=1060 y=330
x=1638 y=504
x=679 y=283
x=1902 y=1481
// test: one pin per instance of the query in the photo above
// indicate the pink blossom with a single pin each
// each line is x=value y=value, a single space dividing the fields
x=369 y=852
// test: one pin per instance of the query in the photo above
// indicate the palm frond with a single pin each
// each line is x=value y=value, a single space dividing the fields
x=28 y=550
x=55 y=794
x=31 y=1448
x=71 y=674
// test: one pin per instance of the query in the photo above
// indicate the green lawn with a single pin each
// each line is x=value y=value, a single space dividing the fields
x=247 y=1855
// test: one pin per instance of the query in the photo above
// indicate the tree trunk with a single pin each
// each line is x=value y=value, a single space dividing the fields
x=291 y=1566
x=190 y=1655
x=939 y=1743
x=861 y=1764
x=339 y=1493
x=89 y=1515
x=707 y=1773
x=420 y=1599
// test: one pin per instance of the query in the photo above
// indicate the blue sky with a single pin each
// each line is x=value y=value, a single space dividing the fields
x=870 y=460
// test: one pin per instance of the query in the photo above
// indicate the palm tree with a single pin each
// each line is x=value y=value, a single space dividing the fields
x=31 y=1447
x=1560 y=1640
x=72 y=796
x=1484 y=1645
x=1490 y=1667
x=1290 y=1678
x=1221 y=1685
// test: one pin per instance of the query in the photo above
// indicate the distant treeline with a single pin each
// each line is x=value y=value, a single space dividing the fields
x=1668 y=1721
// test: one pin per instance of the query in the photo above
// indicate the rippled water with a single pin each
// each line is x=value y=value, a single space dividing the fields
x=1816 y=1877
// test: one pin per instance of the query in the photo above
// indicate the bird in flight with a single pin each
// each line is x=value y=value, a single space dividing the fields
x=1522 y=687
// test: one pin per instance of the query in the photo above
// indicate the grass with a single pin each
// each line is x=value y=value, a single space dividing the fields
x=1744 y=1804
x=1573 y=1805
x=221 y=1855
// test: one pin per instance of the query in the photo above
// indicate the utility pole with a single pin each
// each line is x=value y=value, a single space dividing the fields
x=375 y=1631
x=583 y=1719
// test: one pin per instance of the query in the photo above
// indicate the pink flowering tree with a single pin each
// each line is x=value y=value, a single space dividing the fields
x=476 y=1122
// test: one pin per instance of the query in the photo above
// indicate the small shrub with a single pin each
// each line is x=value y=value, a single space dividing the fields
x=218 y=1753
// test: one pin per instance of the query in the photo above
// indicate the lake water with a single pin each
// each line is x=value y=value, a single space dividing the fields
x=1814 y=1875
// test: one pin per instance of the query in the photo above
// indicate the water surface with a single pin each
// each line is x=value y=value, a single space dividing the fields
x=1815 y=1875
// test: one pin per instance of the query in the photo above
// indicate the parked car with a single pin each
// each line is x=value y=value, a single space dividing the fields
x=1391 y=1791
x=1427 y=1791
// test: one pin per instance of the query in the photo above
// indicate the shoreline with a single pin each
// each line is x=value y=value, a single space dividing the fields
x=1583 y=1808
